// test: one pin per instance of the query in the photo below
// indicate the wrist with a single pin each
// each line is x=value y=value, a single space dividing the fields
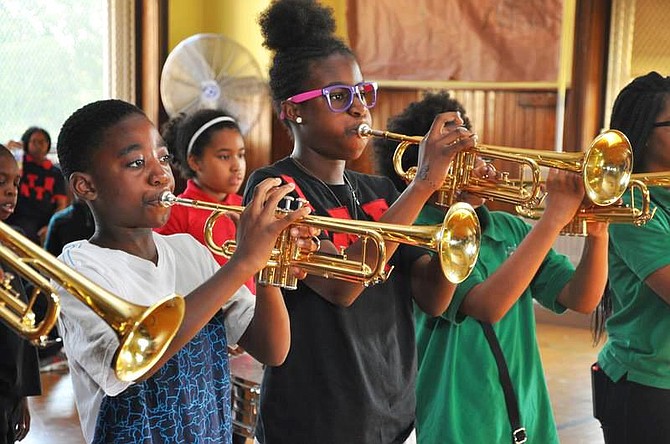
x=241 y=267
x=598 y=231
x=423 y=188
x=551 y=224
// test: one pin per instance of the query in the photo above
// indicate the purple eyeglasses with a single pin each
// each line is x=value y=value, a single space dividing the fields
x=340 y=97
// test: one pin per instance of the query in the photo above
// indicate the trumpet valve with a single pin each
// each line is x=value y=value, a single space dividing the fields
x=287 y=201
x=7 y=280
x=28 y=319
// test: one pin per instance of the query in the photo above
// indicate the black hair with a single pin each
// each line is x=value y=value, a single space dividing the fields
x=635 y=110
x=414 y=120
x=82 y=133
x=6 y=152
x=179 y=130
x=25 y=138
x=299 y=32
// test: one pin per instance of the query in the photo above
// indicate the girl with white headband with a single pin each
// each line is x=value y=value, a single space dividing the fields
x=208 y=150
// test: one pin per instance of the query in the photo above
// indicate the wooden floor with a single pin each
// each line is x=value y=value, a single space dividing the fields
x=566 y=352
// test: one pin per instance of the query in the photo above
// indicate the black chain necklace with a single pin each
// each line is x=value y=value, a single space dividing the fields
x=355 y=201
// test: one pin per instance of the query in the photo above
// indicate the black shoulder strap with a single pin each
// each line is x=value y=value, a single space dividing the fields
x=518 y=432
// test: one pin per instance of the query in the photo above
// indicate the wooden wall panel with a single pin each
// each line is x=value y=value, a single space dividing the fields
x=258 y=141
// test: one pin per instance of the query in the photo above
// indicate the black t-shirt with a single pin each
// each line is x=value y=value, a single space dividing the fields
x=349 y=375
x=40 y=185
x=68 y=225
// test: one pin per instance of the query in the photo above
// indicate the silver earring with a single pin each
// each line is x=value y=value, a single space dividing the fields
x=298 y=120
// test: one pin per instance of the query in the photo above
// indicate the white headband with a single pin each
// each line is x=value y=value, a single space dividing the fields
x=204 y=128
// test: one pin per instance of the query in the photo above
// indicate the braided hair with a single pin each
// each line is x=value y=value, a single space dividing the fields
x=179 y=130
x=635 y=110
x=415 y=120
x=82 y=133
x=299 y=32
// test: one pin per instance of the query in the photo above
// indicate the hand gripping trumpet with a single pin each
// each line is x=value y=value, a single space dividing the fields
x=605 y=168
x=456 y=242
x=144 y=332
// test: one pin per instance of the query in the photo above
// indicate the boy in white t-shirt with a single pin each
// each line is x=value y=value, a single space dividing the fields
x=116 y=161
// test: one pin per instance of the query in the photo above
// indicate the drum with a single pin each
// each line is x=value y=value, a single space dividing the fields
x=246 y=375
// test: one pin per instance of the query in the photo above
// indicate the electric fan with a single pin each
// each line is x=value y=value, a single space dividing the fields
x=214 y=72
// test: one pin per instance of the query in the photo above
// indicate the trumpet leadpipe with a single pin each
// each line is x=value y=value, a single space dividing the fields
x=286 y=253
x=365 y=131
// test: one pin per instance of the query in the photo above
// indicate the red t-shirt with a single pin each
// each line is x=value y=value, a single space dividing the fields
x=189 y=220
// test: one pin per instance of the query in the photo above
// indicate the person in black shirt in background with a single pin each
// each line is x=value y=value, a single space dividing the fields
x=19 y=371
x=42 y=189
x=72 y=223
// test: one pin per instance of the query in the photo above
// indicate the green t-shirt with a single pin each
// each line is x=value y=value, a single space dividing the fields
x=459 y=397
x=638 y=331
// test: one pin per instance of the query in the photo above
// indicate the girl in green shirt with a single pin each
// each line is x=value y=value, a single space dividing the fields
x=633 y=394
x=459 y=395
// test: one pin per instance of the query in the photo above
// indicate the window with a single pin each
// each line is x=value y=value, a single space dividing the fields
x=53 y=58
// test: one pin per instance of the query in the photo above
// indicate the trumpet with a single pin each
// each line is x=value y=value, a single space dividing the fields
x=456 y=241
x=605 y=167
x=617 y=213
x=459 y=177
x=657 y=179
x=144 y=332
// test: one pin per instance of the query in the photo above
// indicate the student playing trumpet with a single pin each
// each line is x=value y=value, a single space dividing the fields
x=460 y=391
x=117 y=163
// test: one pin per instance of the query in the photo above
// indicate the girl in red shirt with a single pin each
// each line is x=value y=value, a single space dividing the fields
x=208 y=150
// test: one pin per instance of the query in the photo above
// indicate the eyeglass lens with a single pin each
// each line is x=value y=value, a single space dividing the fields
x=340 y=98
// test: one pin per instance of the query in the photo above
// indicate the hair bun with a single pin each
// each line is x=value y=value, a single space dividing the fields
x=295 y=23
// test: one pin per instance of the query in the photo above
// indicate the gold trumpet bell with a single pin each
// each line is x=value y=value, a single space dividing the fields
x=144 y=339
x=607 y=167
x=144 y=333
x=459 y=246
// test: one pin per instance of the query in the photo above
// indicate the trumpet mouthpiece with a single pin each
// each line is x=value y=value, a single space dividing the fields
x=167 y=199
x=364 y=130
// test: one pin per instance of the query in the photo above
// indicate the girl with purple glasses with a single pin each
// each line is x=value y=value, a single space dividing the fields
x=349 y=376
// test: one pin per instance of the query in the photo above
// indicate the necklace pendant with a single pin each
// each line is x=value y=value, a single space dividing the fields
x=356 y=201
